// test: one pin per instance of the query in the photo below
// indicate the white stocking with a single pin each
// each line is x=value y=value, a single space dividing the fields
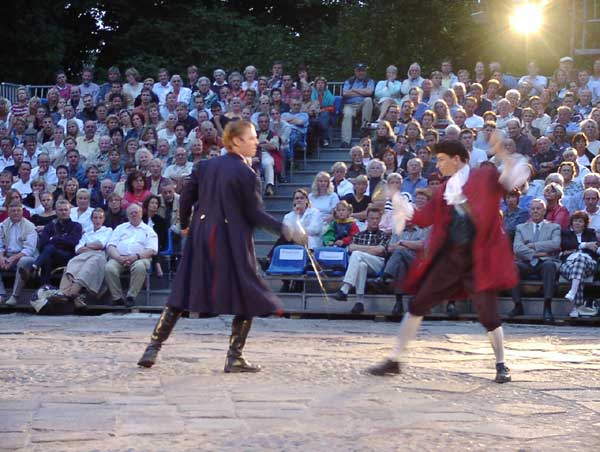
x=408 y=331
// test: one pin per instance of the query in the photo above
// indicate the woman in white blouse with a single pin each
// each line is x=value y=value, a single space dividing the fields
x=387 y=91
x=82 y=213
x=308 y=217
x=86 y=269
x=322 y=196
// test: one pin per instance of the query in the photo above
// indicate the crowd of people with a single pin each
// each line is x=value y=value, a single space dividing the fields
x=92 y=172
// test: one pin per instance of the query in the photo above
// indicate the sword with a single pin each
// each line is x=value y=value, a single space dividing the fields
x=313 y=262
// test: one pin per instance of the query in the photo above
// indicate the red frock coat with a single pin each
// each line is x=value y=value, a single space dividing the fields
x=493 y=261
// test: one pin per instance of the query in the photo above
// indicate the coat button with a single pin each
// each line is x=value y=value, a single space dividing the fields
x=202 y=217
x=226 y=221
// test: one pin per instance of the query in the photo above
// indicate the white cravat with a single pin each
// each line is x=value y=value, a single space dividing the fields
x=453 y=193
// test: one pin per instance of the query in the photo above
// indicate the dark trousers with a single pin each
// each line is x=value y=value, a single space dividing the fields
x=546 y=269
x=49 y=259
x=452 y=270
x=397 y=266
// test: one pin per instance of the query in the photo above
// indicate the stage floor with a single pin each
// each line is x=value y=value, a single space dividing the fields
x=71 y=384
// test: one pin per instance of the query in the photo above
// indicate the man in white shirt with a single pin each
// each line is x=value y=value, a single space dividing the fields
x=538 y=82
x=87 y=145
x=476 y=155
x=6 y=181
x=163 y=86
x=23 y=184
x=44 y=170
x=18 y=248
x=181 y=168
x=130 y=249
x=32 y=150
x=473 y=121
x=6 y=146
x=591 y=196
x=69 y=114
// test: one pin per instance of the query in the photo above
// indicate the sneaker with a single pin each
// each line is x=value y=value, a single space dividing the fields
x=129 y=302
x=570 y=295
x=585 y=311
x=502 y=373
x=344 y=145
x=325 y=143
x=269 y=191
x=12 y=301
x=574 y=313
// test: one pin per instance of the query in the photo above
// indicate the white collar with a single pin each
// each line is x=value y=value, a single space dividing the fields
x=453 y=193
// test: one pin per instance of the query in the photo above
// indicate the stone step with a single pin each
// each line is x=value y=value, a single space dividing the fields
x=278 y=202
x=288 y=189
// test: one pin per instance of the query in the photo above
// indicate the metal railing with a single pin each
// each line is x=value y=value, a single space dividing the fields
x=9 y=90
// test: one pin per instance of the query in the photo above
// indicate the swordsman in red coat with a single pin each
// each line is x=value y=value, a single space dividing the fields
x=468 y=251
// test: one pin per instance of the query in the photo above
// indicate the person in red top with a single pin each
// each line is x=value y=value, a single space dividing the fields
x=135 y=190
x=63 y=88
x=467 y=252
x=555 y=211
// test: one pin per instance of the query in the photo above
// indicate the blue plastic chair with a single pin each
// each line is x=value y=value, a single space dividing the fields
x=288 y=260
x=168 y=254
x=332 y=259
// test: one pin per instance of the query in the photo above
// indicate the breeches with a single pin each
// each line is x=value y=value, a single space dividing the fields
x=451 y=271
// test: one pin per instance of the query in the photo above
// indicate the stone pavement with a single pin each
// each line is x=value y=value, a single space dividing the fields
x=71 y=384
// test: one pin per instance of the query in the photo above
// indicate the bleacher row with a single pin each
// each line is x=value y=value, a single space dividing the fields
x=292 y=263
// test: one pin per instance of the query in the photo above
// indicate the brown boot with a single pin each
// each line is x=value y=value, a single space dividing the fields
x=161 y=332
x=235 y=362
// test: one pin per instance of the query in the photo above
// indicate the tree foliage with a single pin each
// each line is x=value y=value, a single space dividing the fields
x=40 y=37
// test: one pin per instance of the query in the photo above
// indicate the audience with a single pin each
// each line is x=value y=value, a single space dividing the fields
x=72 y=150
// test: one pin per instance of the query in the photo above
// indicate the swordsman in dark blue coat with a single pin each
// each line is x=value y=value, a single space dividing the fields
x=217 y=273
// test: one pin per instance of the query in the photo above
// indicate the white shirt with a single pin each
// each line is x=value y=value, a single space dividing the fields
x=10 y=245
x=23 y=187
x=84 y=219
x=311 y=223
x=49 y=176
x=132 y=92
x=594 y=220
x=324 y=203
x=477 y=157
x=474 y=122
x=129 y=239
x=185 y=95
x=4 y=162
x=344 y=187
x=56 y=153
x=177 y=171
x=101 y=235
x=32 y=158
x=161 y=91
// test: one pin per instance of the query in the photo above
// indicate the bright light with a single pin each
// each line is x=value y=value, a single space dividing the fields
x=527 y=18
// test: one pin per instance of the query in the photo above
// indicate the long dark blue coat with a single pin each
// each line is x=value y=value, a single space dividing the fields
x=217 y=273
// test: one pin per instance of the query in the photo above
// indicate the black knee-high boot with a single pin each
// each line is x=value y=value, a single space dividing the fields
x=235 y=362
x=161 y=332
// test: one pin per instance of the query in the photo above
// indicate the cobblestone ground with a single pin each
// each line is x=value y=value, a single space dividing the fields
x=71 y=384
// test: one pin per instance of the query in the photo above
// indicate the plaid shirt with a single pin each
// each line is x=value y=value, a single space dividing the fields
x=370 y=238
